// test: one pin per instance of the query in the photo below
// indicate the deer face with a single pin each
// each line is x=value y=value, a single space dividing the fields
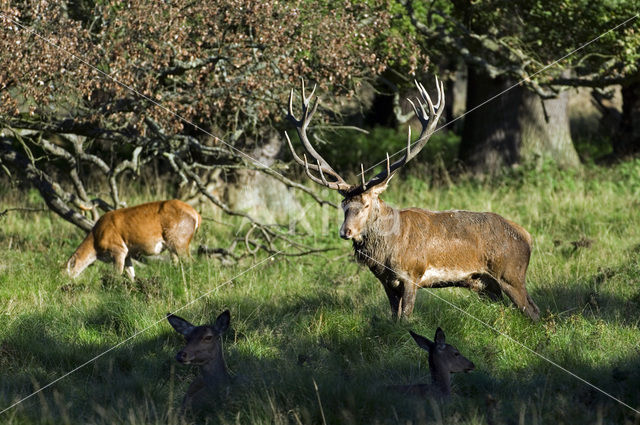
x=443 y=356
x=357 y=211
x=203 y=342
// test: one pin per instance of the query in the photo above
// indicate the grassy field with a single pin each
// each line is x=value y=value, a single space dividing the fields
x=324 y=319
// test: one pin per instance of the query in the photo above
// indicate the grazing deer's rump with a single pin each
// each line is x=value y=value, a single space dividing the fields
x=412 y=248
x=144 y=229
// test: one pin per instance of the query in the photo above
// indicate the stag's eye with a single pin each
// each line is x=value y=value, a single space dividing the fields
x=207 y=338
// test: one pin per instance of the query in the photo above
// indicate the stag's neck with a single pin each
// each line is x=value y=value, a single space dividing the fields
x=378 y=237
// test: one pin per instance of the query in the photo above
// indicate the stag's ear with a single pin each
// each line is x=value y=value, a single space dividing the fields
x=422 y=342
x=222 y=322
x=378 y=189
x=179 y=324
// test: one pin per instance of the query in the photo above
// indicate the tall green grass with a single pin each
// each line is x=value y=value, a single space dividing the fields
x=324 y=319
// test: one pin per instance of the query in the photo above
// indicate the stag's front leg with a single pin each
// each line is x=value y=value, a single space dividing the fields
x=409 y=291
x=391 y=288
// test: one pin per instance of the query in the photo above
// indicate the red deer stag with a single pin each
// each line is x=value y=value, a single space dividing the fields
x=144 y=229
x=412 y=248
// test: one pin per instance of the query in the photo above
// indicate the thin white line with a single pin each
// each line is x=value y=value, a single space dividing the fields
x=273 y=255
x=136 y=334
x=185 y=120
x=513 y=86
x=175 y=114
x=431 y=292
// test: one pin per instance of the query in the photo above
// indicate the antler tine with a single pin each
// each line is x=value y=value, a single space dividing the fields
x=293 y=152
x=309 y=107
x=290 y=111
x=440 y=89
x=428 y=122
x=421 y=114
x=337 y=185
x=304 y=97
x=306 y=169
x=388 y=163
x=364 y=185
x=427 y=99
x=324 y=181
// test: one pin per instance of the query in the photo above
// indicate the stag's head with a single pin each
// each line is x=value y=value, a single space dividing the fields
x=361 y=201
x=357 y=209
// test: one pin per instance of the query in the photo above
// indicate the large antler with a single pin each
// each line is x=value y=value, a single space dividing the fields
x=321 y=166
x=427 y=120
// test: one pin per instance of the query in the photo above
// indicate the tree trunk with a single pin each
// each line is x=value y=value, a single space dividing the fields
x=545 y=131
x=490 y=135
x=627 y=141
x=514 y=128
x=259 y=195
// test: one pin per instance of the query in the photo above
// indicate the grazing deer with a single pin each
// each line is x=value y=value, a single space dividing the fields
x=412 y=248
x=203 y=349
x=144 y=229
x=444 y=359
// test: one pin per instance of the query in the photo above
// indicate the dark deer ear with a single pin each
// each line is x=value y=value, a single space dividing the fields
x=439 y=338
x=422 y=342
x=222 y=322
x=179 y=324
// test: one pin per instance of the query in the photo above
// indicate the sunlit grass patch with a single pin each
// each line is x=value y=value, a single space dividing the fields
x=322 y=318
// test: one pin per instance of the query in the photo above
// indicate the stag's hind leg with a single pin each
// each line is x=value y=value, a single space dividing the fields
x=513 y=284
x=523 y=300
x=486 y=285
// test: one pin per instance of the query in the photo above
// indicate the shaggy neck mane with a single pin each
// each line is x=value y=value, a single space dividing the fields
x=377 y=244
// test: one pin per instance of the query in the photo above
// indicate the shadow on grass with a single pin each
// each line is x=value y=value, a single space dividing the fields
x=326 y=338
x=612 y=295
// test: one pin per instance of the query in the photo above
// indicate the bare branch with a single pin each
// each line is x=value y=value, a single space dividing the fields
x=54 y=196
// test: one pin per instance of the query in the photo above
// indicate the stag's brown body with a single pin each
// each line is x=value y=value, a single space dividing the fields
x=413 y=248
x=416 y=248
x=145 y=229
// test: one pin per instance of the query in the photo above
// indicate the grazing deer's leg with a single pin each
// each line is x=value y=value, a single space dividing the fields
x=128 y=268
x=175 y=256
x=120 y=257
